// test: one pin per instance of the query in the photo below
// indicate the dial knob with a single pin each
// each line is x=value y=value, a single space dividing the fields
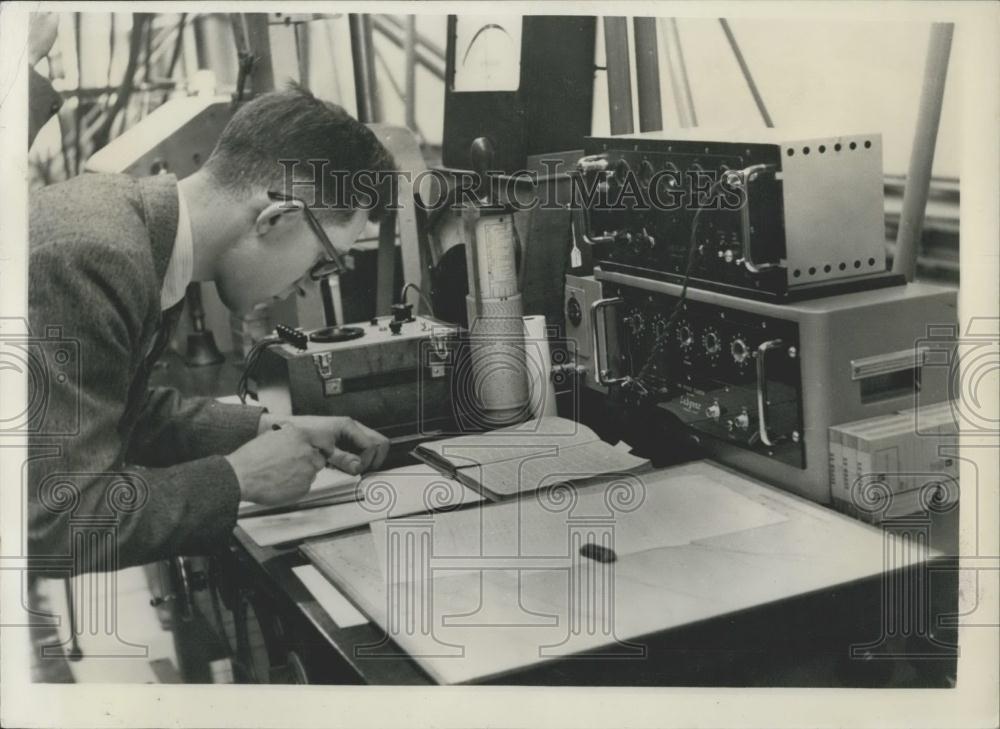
x=710 y=341
x=646 y=172
x=685 y=337
x=742 y=421
x=659 y=325
x=740 y=351
x=621 y=171
x=636 y=323
x=667 y=183
x=574 y=312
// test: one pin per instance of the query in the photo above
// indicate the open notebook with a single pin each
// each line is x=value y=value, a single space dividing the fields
x=528 y=456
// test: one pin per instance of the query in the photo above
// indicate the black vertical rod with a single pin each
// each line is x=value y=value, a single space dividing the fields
x=364 y=69
x=619 y=74
x=647 y=75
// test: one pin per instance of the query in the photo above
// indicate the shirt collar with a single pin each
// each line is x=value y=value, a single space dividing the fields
x=180 y=268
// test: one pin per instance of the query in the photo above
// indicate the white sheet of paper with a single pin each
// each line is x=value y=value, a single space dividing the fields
x=667 y=513
x=484 y=620
x=338 y=607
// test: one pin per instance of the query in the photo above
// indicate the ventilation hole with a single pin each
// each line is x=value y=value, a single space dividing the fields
x=842 y=266
x=812 y=270
x=827 y=268
x=868 y=145
x=854 y=145
x=871 y=261
x=822 y=148
x=836 y=147
x=857 y=264
x=791 y=151
x=805 y=150
x=797 y=272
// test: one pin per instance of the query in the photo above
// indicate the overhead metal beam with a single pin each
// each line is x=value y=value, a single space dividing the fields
x=428 y=60
x=745 y=69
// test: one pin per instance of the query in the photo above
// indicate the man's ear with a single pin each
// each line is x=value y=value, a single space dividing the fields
x=277 y=215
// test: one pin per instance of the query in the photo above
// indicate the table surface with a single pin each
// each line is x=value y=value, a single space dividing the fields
x=703 y=542
x=811 y=548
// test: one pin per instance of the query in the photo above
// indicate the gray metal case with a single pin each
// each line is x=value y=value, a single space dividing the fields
x=398 y=384
x=845 y=342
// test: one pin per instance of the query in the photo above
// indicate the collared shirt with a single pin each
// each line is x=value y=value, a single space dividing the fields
x=180 y=268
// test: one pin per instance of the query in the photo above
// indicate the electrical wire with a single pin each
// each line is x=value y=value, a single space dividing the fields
x=420 y=293
x=253 y=356
x=694 y=249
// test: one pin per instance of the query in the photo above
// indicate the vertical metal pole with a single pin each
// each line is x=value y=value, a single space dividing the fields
x=78 y=109
x=259 y=43
x=683 y=99
x=918 y=177
x=201 y=56
x=647 y=75
x=410 y=60
x=364 y=70
x=302 y=52
x=370 y=67
x=619 y=71
x=385 y=285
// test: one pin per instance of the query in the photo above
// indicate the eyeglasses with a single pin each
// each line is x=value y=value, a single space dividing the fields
x=330 y=265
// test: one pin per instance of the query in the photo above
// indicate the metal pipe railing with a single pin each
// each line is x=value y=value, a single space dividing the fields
x=918 y=177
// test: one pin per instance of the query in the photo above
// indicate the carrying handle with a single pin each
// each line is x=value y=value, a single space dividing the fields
x=743 y=178
x=596 y=314
x=762 y=351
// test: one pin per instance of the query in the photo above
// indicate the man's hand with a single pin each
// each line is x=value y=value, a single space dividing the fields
x=349 y=445
x=277 y=466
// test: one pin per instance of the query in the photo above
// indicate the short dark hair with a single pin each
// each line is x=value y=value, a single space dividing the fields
x=293 y=125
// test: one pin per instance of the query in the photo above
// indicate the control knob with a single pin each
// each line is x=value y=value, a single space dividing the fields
x=710 y=341
x=636 y=323
x=742 y=421
x=740 y=351
x=574 y=312
x=684 y=335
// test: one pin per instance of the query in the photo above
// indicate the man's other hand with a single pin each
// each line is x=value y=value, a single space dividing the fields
x=277 y=466
x=349 y=445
